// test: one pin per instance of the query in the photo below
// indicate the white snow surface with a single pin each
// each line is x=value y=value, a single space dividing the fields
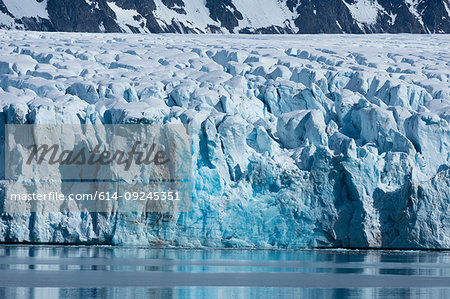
x=196 y=17
x=412 y=6
x=126 y=18
x=256 y=14
x=263 y=13
x=6 y=21
x=365 y=11
x=27 y=8
x=447 y=8
x=298 y=141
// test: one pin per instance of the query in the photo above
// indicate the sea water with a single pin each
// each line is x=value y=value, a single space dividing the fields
x=49 y=271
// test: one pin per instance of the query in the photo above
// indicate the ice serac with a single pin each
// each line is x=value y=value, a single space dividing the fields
x=312 y=141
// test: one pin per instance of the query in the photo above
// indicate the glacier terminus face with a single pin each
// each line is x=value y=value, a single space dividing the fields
x=297 y=141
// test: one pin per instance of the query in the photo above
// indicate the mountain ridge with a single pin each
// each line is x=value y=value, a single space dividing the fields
x=228 y=16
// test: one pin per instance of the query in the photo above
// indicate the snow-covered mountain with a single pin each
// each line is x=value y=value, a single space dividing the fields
x=235 y=16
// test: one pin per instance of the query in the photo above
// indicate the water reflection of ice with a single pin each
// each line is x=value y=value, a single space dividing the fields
x=122 y=272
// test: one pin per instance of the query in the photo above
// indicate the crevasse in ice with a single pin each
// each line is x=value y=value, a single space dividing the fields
x=298 y=141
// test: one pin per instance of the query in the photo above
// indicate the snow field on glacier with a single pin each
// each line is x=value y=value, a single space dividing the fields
x=298 y=141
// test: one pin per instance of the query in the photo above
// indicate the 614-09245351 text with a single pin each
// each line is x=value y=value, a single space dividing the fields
x=99 y=195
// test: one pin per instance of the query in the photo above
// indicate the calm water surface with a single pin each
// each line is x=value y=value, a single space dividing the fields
x=117 y=272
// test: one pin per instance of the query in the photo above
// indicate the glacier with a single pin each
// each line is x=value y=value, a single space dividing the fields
x=298 y=141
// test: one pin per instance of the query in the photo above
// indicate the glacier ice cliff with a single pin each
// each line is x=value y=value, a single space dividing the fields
x=298 y=141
